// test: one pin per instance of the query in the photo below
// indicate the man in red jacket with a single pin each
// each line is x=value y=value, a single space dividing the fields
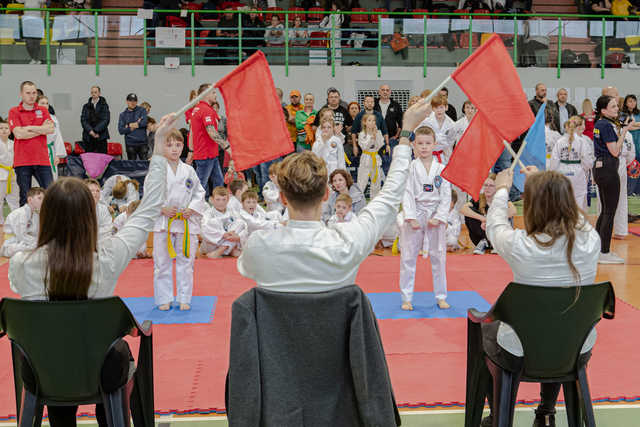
x=30 y=125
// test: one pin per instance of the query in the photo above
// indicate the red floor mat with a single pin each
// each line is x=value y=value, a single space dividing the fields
x=426 y=357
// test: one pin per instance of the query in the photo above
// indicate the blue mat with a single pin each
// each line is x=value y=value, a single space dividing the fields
x=202 y=311
x=387 y=305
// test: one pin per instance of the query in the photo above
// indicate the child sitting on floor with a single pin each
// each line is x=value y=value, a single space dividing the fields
x=343 y=210
x=23 y=224
x=271 y=191
x=121 y=219
x=255 y=219
x=105 y=220
x=222 y=229
x=236 y=188
x=118 y=191
x=454 y=224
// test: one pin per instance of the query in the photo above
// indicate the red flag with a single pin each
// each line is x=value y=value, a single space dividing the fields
x=476 y=152
x=256 y=128
x=491 y=82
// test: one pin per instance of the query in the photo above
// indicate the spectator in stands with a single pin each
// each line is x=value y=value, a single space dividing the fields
x=599 y=6
x=304 y=124
x=563 y=110
x=227 y=28
x=31 y=26
x=95 y=120
x=353 y=108
x=541 y=98
x=611 y=91
x=298 y=35
x=589 y=117
x=133 y=125
x=369 y=103
x=252 y=33
x=274 y=33
x=451 y=110
x=392 y=113
x=292 y=109
x=206 y=141
x=340 y=114
x=338 y=19
x=30 y=125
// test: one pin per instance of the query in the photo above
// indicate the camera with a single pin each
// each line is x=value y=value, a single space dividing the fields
x=623 y=117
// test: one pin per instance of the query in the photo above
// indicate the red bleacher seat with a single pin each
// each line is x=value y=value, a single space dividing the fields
x=464 y=41
x=174 y=21
x=114 y=149
x=318 y=39
x=78 y=149
x=275 y=9
x=375 y=18
x=359 y=17
x=313 y=16
x=460 y=16
x=299 y=13
x=206 y=38
x=68 y=147
x=417 y=11
x=484 y=11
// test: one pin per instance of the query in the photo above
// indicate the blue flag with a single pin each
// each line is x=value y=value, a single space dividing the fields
x=535 y=150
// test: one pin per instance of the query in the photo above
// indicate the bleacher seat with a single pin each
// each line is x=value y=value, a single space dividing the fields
x=417 y=11
x=15 y=8
x=464 y=40
x=206 y=38
x=78 y=149
x=313 y=16
x=68 y=147
x=375 y=18
x=483 y=11
x=359 y=17
x=299 y=13
x=460 y=16
x=114 y=149
x=318 y=39
x=275 y=9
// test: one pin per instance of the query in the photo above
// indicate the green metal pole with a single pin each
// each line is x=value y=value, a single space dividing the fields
x=144 y=47
x=333 y=47
x=515 y=41
x=193 y=45
x=95 y=42
x=559 y=45
x=46 y=35
x=286 y=45
x=470 y=35
x=604 y=48
x=379 y=46
x=239 y=38
x=424 y=41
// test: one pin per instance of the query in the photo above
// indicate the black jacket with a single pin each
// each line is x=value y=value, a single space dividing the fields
x=95 y=119
x=307 y=359
x=394 y=116
x=573 y=111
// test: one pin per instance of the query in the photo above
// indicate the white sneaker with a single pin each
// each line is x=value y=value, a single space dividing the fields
x=481 y=247
x=610 y=258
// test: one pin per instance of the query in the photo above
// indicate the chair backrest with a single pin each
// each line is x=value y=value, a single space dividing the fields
x=553 y=322
x=66 y=342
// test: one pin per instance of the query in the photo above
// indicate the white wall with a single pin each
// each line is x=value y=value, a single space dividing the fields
x=167 y=90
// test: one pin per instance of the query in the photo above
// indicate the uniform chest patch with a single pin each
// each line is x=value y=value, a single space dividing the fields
x=427 y=188
x=188 y=183
x=437 y=181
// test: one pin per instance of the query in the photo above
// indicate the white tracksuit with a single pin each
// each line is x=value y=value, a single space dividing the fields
x=271 y=194
x=427 y=196
x=183 y=191
x=331 y=151
x=215 y=224
x=7 y=173
x=454 y=225
x=55 y=146
x=107 y=192
x=574 y=160
x=627 y=155
x=445 y=136
x=119 y=222
x=105 y=222
x=370 y=162
x=21 y=231
x=335 y=220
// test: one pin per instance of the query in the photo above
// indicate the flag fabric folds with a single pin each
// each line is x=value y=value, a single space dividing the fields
x=492 y=84
x=477 y=151
x=534 y=152
x=256 y=127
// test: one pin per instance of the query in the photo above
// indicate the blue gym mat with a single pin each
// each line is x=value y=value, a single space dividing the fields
x=387 y=305
x=202 y=310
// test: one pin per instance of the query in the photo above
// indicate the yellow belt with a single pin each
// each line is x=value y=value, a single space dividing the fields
x=374 y=161
x=346 y=159
x=185 y=241
x=10 y=170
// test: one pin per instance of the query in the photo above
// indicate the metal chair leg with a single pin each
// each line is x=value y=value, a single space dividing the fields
x=572 y=404
x=585 y=395
x=30 y=410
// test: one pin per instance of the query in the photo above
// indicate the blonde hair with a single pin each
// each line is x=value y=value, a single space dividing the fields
x=344 y=198
x=482 y=200
x=425 y=93
x=120 y=189
x=175 y=135
x=273 y=168
x=425 y=130
x=220 y=191
x=249 y=194
x=571 y=125
x=328 y=120
x=587 y=104
x=302 y=178
x=365 y=116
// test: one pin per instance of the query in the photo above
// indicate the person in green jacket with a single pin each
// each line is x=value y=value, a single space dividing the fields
x=303 y=141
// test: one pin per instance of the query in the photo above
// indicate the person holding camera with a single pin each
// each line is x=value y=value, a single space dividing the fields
x=608 y=136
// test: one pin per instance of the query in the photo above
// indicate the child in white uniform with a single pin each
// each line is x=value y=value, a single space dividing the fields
x=621 y=219
x=271 y=191
x=454 y=224
x=370 y=141
x=425 y=208
x=175 y=234
x=105 y=220
x=329 y=147
x=252 y=216
x=444 y=128
x=121 y=220
x=23 y=224
x=343 y=210
x=55 y=143
x=572 y=156
x=237 y=187
x=9 y=189
x=118 y=191
x=222 y=229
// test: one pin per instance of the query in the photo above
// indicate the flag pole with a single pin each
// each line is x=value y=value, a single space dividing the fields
x=437 y=89
x=194 y=101
x=513 y=154
x=516 y=159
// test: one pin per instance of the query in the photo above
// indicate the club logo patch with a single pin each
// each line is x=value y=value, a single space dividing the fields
x=437 y=181
x=427 y=188
x=188 y=183
x=39 y=114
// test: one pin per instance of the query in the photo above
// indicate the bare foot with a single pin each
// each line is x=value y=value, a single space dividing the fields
x=185 y=307
x=619 y=237
x=443 y=304
x=217 y=253
x=407 y=306
x=236 y=253
x=164 y=307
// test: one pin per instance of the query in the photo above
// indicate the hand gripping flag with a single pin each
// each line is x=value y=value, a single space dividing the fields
x=534 y=151
x=256 y=128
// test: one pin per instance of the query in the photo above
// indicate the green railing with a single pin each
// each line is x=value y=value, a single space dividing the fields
x=89 y=23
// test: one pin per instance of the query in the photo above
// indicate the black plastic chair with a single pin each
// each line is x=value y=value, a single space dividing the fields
x=64 y=345
x=552 y=324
